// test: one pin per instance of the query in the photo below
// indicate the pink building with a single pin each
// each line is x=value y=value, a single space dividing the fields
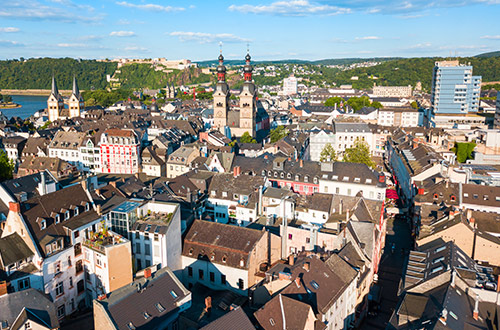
x=120 y=151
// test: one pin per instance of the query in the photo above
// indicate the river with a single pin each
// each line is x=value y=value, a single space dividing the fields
x=29 y=105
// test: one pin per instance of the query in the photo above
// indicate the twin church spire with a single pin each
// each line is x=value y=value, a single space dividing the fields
x=235 y=123
x=55 y=102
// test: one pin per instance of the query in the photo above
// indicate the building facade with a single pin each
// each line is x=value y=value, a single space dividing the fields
x=392 y=91
x=120 y=151
x=454 y=89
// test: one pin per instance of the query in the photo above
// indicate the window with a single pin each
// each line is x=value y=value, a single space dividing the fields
x=212 y=277
x=173 y=294
x=290 y=236
x=59 y=289
x=87 y=206
x=77 y=233
x=57 y=267
x=137 y=235
x=272 y=322
x=315 y=285
x=23 y=284
x=98 y=260
x=60 y=312
x=77 y=210
x=241 y=284
x=69 y=261
x=146 y=315
x=70 y=282
x=223 y=279
x=138 y=248
x=130 y=326
x=160 y=307
x=66 y=215
x=147 y=249
x=79 y=267
x=200 y=274
x=190 y=271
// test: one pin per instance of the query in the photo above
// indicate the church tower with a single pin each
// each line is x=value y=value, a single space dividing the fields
x=248 y=100
x=75 y=102
x=221 y=97
x=55 y=102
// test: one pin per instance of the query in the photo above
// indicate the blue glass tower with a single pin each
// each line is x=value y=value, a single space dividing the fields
x=454 y=89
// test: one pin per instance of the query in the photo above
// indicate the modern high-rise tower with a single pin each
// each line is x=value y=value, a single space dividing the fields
x=454 y=89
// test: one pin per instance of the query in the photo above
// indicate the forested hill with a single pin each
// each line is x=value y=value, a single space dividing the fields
x=408 y=71
x=37 y=73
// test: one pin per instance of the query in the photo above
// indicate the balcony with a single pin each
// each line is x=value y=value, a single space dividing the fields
x=100 y=240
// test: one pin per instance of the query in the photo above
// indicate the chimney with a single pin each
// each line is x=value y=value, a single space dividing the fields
x=306 y=266
x=102 y=297
x=136 y=176
x=208 y=303
x=444 y=316
x=453 y=276
x=340 y=206
x=98 y=209
x=475 y=314
x=3 y=288
x=291 y=260
x=43 y=184
x=421 y=191
x=84 y=184
x=236 y=171
x=14 y=207
x=147 y=273
x=498 y=284
x=297 y=282
x=301 y=163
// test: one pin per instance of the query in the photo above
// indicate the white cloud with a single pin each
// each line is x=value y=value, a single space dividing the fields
x=368 y=38
x=122 y=34
x=150 y=6
x=497 y=37
x=35 y=11
x=68 y=45
x=10 y=43
x=291 y=8
x=203 y=37
x=421 y=46
x=9 y=29
x=135 y=48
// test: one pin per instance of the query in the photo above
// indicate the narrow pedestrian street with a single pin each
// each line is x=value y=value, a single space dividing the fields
x=390 y=270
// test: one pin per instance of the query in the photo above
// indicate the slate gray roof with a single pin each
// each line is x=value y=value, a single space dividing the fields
x=13 y=249
x=36 y=302
x=231 y=320
x=26 y=184
x=129 y=303
x=227 y=244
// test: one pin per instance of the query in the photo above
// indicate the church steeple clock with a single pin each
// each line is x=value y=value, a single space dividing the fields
x=221 y=97
x=248 y=99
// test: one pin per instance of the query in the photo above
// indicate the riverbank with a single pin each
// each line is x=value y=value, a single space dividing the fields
x=33 y=92
x=9 y=106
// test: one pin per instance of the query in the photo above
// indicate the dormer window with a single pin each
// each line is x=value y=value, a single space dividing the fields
x=87 y=206
x=282 y=175
x=66 y=215
x=357 y=180
x=288 y=176
x=224 y=259
x=43 y=224
x=436 y=196
x=315 y=180
x=263 y=172
x=242 y=263
x=224 y=194
x=77 y=210
x=191 y=251
x=58 y=218
x=306 y=179
x=453 y=198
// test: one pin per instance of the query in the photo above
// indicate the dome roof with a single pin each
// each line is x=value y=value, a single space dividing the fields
x=221 y=68
x=248 y=58
x=221 y=58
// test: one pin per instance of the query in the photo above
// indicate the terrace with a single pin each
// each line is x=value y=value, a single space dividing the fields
x=99 y=241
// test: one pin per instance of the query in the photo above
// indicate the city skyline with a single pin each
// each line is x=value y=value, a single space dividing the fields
x=275 y=30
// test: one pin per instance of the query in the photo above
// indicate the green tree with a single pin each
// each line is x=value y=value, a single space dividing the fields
x=377 y=105
x=7 y=98
x=247 y=138
x=463 y=150
x=359 y=153
x=278 y=133
x=332 y=101
x=414 y=105
x=6 y=166
x=328 y=154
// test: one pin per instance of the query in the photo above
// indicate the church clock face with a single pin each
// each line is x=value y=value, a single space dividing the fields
x=219 y=113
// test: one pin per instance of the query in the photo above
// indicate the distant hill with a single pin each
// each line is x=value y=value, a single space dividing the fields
x=490 y=54
x=333 y=61
x=37 y=73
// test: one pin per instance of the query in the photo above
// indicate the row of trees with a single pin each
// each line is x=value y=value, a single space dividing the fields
x=37 y=73
x=356 y=103
x=358 y=153
x=5 y=98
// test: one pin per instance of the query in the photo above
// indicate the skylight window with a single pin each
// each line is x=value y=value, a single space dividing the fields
x=160 y=307
x=146 y=315
x=315 y=285
x=173 y=294
x=131 y=326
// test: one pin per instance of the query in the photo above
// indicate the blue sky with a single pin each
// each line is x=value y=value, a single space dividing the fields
x=302 y=29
